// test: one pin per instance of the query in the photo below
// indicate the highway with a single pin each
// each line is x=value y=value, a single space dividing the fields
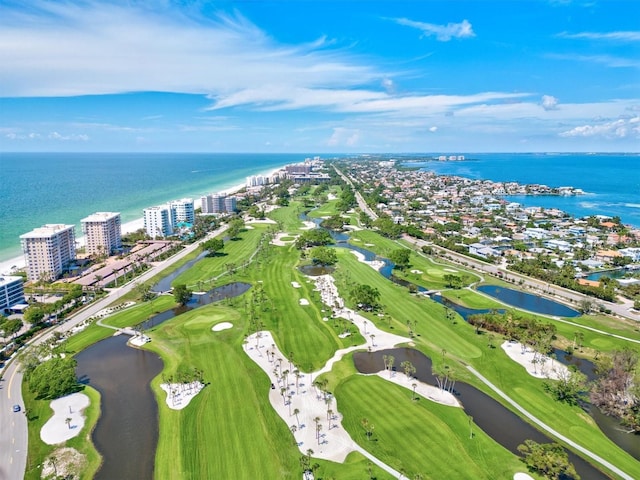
x=13 y=426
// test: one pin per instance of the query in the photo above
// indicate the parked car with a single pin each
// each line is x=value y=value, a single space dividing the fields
x=16 y=408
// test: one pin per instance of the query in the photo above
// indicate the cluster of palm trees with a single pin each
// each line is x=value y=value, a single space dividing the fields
x=181 y=382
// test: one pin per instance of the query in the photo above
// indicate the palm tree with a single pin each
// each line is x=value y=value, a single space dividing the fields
x=317 y=422
x=368 y=427
x=68 y=422
x=293 y=429
x=297 y=373
x=373 y=337
x=390 y=360
x=414 y=385
x=296 y=412
x=329 y=416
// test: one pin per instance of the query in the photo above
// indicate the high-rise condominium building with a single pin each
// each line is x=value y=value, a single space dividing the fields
x=218 y=203
x=48 y=250
x=157 y=221
x=103 y=233
x=11 y=292
x=182 y=211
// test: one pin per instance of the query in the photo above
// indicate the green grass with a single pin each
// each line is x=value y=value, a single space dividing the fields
x=288 y=217
x=235 y=251
x=229 y=430
x=326 y=210
x=39 y=412
x=297 y=328
x=417 y=436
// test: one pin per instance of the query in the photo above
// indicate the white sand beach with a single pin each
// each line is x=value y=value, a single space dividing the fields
x=67 y=420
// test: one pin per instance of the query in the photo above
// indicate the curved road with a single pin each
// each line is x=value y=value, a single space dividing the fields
x=13 y=426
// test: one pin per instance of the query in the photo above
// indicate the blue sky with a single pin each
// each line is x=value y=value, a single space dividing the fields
x=320 y=76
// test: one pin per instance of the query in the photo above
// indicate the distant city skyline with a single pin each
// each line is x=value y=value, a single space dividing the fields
x=326 y=77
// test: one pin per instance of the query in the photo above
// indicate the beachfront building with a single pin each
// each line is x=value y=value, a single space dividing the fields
x=103 y=233
x=48 y=250
x=11 y=292
x=218 y=203
x=182 y=211
x=257 y=181
x=157 y=221
x=230 y=204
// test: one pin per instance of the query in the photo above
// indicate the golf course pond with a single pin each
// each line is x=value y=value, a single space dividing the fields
x=126 y=434
x=527 y=301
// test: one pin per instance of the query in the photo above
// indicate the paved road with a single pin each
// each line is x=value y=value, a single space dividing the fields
x=361 y=203
x=13 y=426
x=537 y=286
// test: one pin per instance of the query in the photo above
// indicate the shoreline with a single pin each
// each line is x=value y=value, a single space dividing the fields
x=7 y=264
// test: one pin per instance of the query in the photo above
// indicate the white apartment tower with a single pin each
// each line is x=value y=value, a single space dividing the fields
x=157 y=221
x=182 y=211
x=47 y=250
x=103 y=233
x=11 y=292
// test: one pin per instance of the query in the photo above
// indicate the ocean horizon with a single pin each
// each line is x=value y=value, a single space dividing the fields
x=40 y=188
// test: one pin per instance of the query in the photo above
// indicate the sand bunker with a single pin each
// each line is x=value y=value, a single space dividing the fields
x=540 y=366
x=522 y=476
x=417 y=272
x=304 y=301
x=295 y=284
x=375 y=264
x=180 y=394
x=67 y=420
x=221 y=326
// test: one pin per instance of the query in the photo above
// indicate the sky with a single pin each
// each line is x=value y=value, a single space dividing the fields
x=321 y=76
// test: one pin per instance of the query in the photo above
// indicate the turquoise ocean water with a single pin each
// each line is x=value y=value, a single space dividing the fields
x=39 y=188
x=611 y=182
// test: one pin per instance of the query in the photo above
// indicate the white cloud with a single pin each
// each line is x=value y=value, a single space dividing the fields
x=443 y=33
x=51 y=136
x=621 y=128
x=102 y=48
x=607 y=60
x=624 y=36
x=23 y=136
x=72 y=137
x=433 y=129
x=549 y=102
x=343 y=137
